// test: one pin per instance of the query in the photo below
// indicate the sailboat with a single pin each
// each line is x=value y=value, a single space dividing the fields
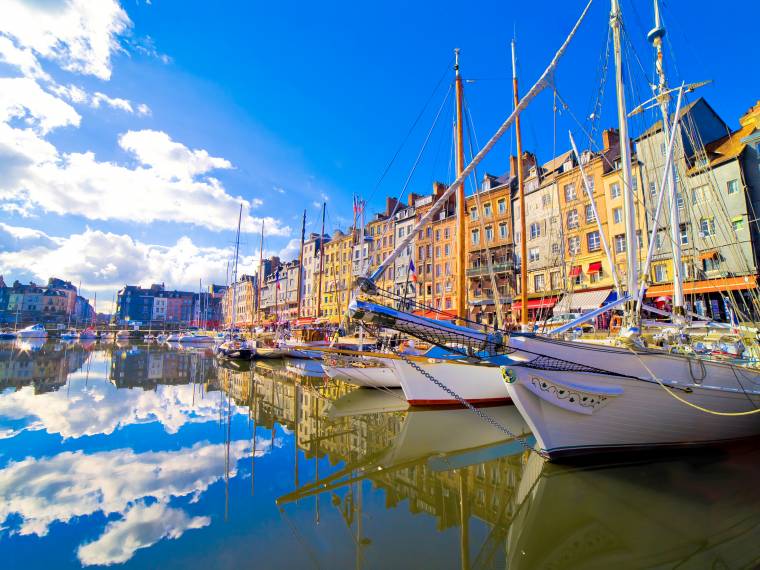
x=582 y=398
x=234 y=348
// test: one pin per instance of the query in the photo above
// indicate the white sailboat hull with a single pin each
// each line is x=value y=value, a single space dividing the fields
x=383 y=376
x=24 y=334
x=476 y=384
x=576 y=413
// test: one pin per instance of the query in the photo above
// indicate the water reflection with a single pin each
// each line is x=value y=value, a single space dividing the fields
x=147 y=456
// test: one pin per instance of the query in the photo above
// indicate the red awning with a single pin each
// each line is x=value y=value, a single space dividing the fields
x=545 y=303
x=575 y=271
x=595 y=267
x=437 y=315
x=304 y=321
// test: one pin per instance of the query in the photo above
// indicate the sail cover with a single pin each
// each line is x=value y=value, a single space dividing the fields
x=442 y=333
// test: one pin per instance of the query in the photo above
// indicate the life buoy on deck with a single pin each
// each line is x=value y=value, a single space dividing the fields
x=615 y=323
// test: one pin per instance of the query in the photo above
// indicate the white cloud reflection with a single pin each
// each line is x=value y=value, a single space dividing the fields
x=142 y=526
x=72 y=484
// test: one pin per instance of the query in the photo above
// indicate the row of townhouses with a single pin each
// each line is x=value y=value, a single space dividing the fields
x=157 y=306
x=58 y=302
x=568 y=270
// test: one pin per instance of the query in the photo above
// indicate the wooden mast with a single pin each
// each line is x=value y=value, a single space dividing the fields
x=261 y=277
x=461 y=285
x=521 y=195
x=299 y=296
x=321 y=261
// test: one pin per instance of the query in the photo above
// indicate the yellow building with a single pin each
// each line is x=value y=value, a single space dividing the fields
x=589 y=274
x=336 y=276
x=435 y=256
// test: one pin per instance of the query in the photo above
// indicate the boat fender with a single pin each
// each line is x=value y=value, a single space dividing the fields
x=508 y=375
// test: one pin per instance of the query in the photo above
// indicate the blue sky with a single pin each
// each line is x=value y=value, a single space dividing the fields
x=130 y=132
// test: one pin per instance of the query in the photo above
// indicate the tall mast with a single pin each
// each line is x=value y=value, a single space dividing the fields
x=299 y=295
x=663 y=98
x=260 y=280
x=632 y=318
x=461 y=286
x=234 y=271
x=321 y=261
x=521 y=196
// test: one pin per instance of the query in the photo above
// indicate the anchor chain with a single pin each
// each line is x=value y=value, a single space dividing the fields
x=482 y=415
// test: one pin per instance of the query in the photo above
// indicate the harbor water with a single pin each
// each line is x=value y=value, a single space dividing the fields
x=147 y=456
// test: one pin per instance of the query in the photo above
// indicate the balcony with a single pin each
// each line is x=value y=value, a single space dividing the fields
x=483 y=269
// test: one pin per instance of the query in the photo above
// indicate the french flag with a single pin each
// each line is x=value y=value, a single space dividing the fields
x=412 y=272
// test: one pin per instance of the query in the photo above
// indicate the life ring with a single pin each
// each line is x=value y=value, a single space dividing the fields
x=615 y=323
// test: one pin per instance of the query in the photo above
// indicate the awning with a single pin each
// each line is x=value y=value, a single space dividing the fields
x=580 y=301
x=595 y=267
x=575 y=271
x=304 y=321
x=544 y=303
x=712 y=254
x=437 y=315
x=706 y=286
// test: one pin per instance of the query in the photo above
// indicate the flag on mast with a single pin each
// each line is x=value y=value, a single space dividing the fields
x=412 y=272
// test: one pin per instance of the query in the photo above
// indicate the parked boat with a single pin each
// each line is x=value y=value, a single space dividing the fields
x=236 y=350
x=69 y=335
x=196 y=338
x=34 y=331
x=88 y=334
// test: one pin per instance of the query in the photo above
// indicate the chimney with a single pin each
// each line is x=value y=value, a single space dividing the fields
x=390 y=205
x=528 y=162
x=438 y=189
x=512 y=166
x=610 y=138
x=413 y=197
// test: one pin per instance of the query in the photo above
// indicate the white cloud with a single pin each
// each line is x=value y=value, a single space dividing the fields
x=82 y=256
x=169 y=183
x=143 y=110
x=45 y=490
x=279 y=189
x=80 y=35
x=76 y=94
x=142 y=527
x=22 y=58
x=291 y=251
x=23 y=99
x=168 y=158
x=114 y=102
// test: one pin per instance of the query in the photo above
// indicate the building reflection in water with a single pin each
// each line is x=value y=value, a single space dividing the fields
x=507 y=507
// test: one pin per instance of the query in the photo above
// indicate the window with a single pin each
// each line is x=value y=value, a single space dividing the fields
x=438 y=251
x=534 y=254
x=570 y=193
x=447 y=248
x=572 y=219
x=475 y=237
x=538 y=282
x=707 y=227
x=684 y=234
x=502 y=205
x=446 y=233
x=620 y=243
x=447 y=268
x=421 y=253
x=503 y=231
x=615 y=190
x=401 y=232
x=556 y=280
x=639 y=241
x=712 y=263
x=659 y=239
x=732 y=186
x=590 y=183
x=590 y=218
x=517 y=237
x=489 y=233
x=574 y=245
x=473 y=213
x=437 y=235
x=660 y=273
x=679 y=199
x=555 y=248
x=617 y=215
x=593 y=242
x=737 y=223
x=652 y=189
x=546 y=200
x=535 y=230
x=428 y=232
x=487 y=210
